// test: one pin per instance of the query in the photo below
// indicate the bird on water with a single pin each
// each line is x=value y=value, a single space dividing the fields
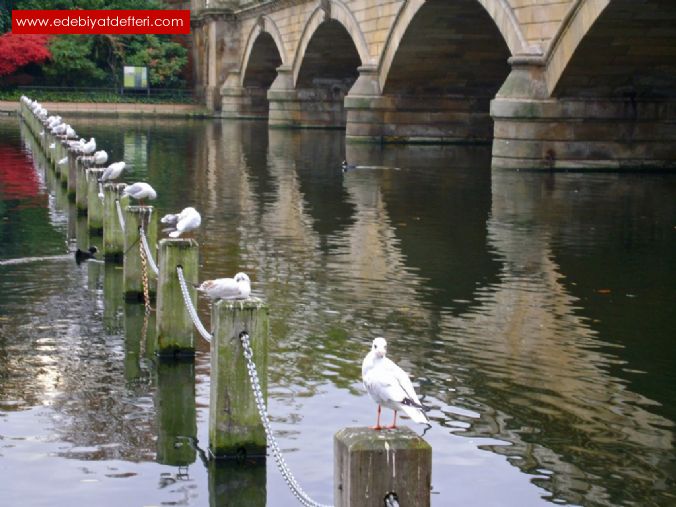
x=84 y=255
x=389 y=386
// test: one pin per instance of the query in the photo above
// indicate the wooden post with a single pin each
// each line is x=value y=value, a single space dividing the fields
x=72 y=175
x=94 y=202
x=235 y=428
x=113 y=234
x=81 y=187
x=176 y=412
x=174 y=327
x=370 y=464
x=133 y=281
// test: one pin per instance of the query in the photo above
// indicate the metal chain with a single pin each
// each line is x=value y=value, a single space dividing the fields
x=191 y=309
x=144 y=278
x=120 y=216
x=289 y=478
x=149 y=255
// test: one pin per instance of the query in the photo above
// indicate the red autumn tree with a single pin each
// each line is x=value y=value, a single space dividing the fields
x=19 y=50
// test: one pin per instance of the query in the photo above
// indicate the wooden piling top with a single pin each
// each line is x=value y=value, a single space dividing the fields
x=371 y=464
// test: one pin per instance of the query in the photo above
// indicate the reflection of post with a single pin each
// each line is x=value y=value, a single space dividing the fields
x=134 y=316
x=113 y=282
x=235 y=428
x=82 y=232
x=176 y=413
x=237 y=484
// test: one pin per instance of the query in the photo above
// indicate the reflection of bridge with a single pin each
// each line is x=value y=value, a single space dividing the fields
x=572 y=83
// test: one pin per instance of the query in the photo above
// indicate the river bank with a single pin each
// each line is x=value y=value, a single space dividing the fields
x=115 y=110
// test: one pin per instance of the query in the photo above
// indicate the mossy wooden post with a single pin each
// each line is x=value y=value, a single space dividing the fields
x=175 y=336
x=81 y=187
x=113 y=234
x=94 y=202
x=235 y=428
x=72 y=174
x=134 y=217
x=370 y=464
x=176 y=412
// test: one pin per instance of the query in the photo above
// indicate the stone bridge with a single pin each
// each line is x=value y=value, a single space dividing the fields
x=559 y=84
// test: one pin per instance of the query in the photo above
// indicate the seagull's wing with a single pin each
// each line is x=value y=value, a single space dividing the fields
x=404 y=387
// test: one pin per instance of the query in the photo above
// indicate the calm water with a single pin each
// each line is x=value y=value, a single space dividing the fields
x=535 y=312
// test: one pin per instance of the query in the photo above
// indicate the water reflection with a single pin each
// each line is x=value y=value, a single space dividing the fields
x=533 y=310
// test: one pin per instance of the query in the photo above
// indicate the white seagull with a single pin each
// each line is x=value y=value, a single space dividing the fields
x=89 y=147
x=113 y=171
x=389 y=385
x=238 y=287
x=140 y=191
x=187 y=220
x=100 y=157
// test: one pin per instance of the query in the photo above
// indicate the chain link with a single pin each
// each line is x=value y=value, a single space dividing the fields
x=191 y=309
x=288 y=477
x=144 y=278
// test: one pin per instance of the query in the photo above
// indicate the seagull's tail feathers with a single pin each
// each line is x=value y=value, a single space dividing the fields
x=415 y=411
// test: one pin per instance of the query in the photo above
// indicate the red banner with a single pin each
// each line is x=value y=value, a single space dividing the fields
x=119 y=22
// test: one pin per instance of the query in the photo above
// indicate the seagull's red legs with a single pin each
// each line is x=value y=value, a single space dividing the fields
x=394 y=422
x=377 y=426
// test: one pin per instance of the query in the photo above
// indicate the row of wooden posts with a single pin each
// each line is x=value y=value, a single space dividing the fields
x=368 y=465
x=234 y=424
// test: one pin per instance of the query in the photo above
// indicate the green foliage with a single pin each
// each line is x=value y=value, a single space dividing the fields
x=72 y=63
x=164 y=59
x=97 y=60
x=102 y=96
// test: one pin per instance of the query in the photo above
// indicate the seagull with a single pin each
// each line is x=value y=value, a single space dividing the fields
x=187 y=220
x=63 y=161
x=238 y=287
x=389 y=385
x=101 y=157
x=89 y=147
x=113 y=171
x=140 y=191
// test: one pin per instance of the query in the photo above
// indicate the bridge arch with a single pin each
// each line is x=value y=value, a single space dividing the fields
x=615 y=48
x=326 y=11
x=265 y=27
x=499 y=11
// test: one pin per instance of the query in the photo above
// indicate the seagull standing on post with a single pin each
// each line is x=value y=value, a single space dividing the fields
x=140 y=190
x=389 y=385
x=238 y=287
x=187 y=220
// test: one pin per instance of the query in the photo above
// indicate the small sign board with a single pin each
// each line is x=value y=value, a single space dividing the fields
x=135 y=78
